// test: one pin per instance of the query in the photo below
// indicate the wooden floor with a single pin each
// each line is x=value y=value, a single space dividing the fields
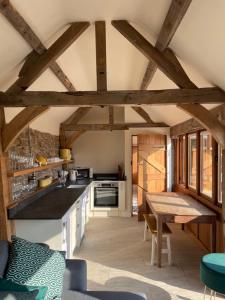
x=118 y=259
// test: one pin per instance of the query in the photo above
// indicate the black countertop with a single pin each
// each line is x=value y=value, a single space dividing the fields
x=52 y=205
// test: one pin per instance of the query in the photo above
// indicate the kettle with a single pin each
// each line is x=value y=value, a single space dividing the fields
x=73 y=175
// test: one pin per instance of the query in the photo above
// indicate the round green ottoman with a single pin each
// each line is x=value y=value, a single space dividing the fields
x=212 y=271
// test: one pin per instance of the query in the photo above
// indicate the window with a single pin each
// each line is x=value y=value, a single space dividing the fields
x=199 y=166
x=206 y=163
x=192 y=160
x=219 y=176
x=182 y=159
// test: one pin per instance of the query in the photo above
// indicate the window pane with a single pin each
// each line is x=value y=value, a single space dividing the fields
x=182 y=159
x=192 y=152
x=206 y=164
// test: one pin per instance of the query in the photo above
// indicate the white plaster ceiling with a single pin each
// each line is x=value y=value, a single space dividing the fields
x=199 y=44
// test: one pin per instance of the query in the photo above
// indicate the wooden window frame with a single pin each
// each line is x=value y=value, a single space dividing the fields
x=193 y=189
x=181 y=170
x=183 y=186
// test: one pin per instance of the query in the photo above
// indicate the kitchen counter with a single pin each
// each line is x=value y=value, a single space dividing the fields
x=51 y=205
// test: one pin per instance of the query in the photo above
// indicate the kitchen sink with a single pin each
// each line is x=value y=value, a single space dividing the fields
x=76 y=186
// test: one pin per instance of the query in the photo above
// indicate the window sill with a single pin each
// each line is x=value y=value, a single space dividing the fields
x=203 y=199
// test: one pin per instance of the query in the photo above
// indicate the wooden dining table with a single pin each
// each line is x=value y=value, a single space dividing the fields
x=170 y=207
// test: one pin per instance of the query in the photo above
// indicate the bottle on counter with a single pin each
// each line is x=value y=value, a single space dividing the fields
x=32 y=181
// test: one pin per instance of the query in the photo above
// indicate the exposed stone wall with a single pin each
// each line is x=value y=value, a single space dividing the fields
x=30 y=143
x=42 y=143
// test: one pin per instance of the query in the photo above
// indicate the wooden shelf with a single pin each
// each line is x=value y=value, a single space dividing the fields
x=31 y=194
x=38 y=169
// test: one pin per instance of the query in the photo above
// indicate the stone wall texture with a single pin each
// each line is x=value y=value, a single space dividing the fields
x=34 y=142
x=30 y=143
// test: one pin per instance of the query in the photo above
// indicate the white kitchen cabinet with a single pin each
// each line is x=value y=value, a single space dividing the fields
x=62 y=234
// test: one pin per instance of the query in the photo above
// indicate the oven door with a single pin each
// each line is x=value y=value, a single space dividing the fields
x=106 y=197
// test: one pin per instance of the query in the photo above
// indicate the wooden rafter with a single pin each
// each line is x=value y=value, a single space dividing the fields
x=30 y=73
x=67 y=141
x=111 y=115
x=100 y=38
x=77 y=115
x=101 y=62
x=95 y=98
x=73 y=137
x=19 y=23
x=35 y=69
x=62 y=137
x=141 y=112
x=173 y=71
x=173 y=18
x=115 y=126
x=11 y=130
x=167 y=67
x=200 y=114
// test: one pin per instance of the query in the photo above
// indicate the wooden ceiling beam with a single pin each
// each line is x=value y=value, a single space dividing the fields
x=21 y=26
x=101 y=62
x=73 y=137
x=11 y=130
x=146 y=48
x=67 y=141
x=111 y=115
x=141 y=112
x=200 y=113
x=77 y=115
x=172 y=68
x=95 y=98
x=115 y=126
x=173 y=18
x=101 y=68
x=33 y=71
x=29 y=74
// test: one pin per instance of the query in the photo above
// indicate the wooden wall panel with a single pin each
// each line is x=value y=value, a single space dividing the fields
x=194 y=229
x=205 y=235
x=151 y=167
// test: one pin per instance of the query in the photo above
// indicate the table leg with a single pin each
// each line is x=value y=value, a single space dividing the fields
x=213 y=235
x=159 y=241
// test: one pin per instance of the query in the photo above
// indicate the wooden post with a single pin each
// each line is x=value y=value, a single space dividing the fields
x=223 y=192
x=6 y=226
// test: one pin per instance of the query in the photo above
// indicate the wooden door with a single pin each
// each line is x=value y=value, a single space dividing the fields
x=151 y=168
x=134 y=165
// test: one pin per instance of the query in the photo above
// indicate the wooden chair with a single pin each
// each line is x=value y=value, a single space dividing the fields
x=151 y=225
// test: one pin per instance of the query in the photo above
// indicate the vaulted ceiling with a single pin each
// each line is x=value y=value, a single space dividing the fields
x=198 y=43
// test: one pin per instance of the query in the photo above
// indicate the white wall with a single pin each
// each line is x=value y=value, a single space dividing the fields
x=102 y=150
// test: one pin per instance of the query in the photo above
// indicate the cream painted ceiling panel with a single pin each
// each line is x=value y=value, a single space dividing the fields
x=200 y=39
x=199 y=44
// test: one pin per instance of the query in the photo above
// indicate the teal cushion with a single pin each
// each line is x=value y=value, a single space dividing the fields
x=19 y=295
x=212 y=271
x=33 y=264
x=9 y=285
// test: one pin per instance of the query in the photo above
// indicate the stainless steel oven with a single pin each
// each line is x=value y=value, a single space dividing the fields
x=106 y=194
